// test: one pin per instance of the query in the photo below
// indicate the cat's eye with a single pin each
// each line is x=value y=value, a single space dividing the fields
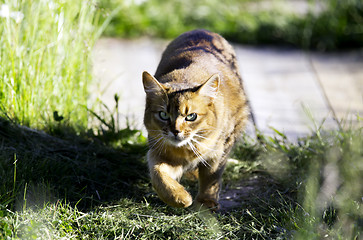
x=191 y=117
x=163 y=115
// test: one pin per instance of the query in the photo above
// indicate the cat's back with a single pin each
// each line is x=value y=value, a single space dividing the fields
x=196 y=55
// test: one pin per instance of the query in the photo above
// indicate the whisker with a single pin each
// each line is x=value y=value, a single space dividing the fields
x=150 y=130
x=155 y=138
x=199 y=155
x=158 y=147
x=198 y=135
x=155 y=141
x=205 y=146
x=157 y=144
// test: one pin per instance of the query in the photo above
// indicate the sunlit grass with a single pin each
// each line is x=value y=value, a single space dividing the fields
x=45 y=60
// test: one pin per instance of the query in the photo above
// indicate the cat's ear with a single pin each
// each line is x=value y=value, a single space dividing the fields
x=211 y=86
x=151 y=84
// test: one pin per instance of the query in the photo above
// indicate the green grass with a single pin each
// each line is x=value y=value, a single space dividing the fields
x=45 y=60
x=338 y=26
x=92 y=187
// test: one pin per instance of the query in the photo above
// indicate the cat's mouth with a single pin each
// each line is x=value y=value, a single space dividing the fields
x=178 y=141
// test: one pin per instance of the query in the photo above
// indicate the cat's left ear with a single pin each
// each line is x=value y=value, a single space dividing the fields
x=211 y=86
x=151 y=84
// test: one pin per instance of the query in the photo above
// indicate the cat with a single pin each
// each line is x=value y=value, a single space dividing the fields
x=195 y=110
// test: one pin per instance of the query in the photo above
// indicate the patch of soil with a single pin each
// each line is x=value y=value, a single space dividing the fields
x=257 y=185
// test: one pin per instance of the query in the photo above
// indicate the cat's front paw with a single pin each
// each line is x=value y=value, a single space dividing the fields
x=183 y=199
x=178 y=197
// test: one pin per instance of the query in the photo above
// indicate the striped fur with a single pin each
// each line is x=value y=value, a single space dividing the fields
x=195 y=110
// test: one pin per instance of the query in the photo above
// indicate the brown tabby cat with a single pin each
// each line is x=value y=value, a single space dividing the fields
x=195 y=110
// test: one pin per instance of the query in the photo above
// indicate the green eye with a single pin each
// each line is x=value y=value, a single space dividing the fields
x=191 y=117
x=163 y=115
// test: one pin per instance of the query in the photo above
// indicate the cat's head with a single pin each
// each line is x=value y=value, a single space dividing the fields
x=178 y=116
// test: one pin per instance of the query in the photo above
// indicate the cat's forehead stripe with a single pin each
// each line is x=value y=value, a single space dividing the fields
x=178 y=103
x=176 y=92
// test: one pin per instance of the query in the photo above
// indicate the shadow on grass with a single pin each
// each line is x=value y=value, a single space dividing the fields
x=84 y=170
x=80 y=169
x=279 y=189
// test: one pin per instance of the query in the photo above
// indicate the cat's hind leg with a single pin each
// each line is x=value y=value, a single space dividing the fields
x=210 y=181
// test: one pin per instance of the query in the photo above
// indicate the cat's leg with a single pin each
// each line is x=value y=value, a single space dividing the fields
x=210 y=181
x=164 y=180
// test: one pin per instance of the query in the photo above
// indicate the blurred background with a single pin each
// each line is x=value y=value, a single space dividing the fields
x=300 y=60
x=308 y=24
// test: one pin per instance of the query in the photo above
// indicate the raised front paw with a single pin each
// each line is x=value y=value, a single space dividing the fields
x=163 y=178
x=179 y=198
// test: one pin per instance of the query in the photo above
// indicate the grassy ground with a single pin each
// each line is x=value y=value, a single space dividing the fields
x=91 y=187
x=339 y=25
x=75 y=181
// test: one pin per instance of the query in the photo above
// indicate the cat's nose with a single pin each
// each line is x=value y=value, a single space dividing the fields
x=175 y=132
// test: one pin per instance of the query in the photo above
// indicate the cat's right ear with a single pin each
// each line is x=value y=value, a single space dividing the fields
x=210 y=87
x=151 y=84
